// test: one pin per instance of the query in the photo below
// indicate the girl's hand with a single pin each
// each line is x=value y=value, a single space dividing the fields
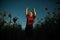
x=34 y=12
x=27 y=11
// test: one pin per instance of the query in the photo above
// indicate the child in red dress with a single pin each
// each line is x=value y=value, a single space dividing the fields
x=30 y=20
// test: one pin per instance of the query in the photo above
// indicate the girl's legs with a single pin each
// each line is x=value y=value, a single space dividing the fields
x=29 y=31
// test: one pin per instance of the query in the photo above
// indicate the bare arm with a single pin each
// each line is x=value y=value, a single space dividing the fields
x=26 y=11
x=34 y=12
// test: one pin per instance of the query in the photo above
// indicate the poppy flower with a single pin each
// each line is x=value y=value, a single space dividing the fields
x=15 y=19
x=9 y=15
x=4 y=13
x=46 y=8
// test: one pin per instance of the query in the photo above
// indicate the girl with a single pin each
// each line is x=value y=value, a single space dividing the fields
x=30 y=20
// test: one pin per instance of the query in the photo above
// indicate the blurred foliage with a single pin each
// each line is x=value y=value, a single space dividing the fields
x=41 y=30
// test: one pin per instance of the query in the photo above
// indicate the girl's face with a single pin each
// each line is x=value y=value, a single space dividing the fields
x=30 y=14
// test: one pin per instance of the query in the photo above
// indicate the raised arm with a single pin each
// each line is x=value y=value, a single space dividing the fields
x=26 y=11
x=34 y=12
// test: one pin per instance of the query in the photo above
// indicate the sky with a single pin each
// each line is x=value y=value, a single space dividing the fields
x=18 y=8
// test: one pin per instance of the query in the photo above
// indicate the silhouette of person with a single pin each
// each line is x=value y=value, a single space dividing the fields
x=30 y=20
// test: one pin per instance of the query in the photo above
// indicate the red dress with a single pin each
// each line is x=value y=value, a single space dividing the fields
x=30 y=20
x=29 y=25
